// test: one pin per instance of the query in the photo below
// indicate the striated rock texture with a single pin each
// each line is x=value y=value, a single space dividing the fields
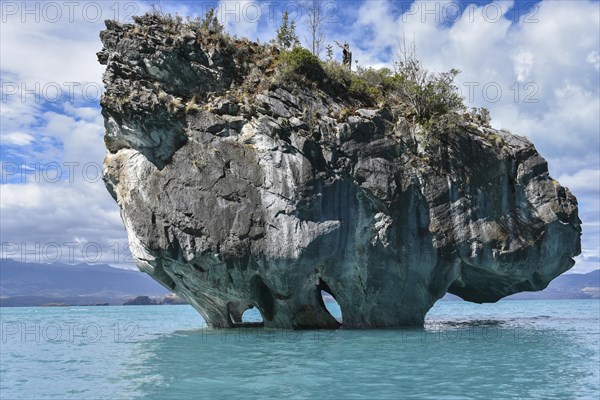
x=235 y=193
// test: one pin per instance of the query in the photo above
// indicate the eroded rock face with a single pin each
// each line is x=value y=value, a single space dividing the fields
x=264 y=198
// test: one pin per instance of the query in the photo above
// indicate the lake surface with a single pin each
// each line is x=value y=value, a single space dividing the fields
x=512 y=349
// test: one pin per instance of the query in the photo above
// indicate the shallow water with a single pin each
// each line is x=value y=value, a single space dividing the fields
x=512 y=349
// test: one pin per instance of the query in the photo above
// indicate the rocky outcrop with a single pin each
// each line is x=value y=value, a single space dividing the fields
x=172 y=299
x=238 y=193
x=169 y=299
x=141 y=301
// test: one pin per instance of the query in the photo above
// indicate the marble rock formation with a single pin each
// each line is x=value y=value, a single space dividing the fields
x=236 y=194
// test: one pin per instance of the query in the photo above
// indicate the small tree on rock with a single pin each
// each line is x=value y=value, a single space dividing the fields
x=211 y=23
x=286 y=33
x=315 y=18
x=329 y=52
x=432 y=95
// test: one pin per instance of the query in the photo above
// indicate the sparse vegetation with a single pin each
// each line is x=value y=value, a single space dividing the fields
x=344 y=114
x=432 y=95
x=163 y=96
x=430 y=99
x=300 y=61
x=176 y=26
x=481 y=116
x=497 y=140
x=191 y=105
x=211 y=24
x=174 y=105
x=434 y=98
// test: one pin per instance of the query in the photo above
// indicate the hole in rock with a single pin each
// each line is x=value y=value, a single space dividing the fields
x=244 y=315
x=329 y=302
x=252 y=315
x=263 y=297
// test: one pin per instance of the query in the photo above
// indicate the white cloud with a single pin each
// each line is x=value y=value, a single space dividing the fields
x=90 y=114
x=45 y=46
x=584 y=181
x=241 y=17
x=594 y=58
x=43 y=137
x=589 y=260
x=523 y=61
x=39 y=215
x=45 y=52
x=17 y=138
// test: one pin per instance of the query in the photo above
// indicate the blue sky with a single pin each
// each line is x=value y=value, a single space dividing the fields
x=535 y=65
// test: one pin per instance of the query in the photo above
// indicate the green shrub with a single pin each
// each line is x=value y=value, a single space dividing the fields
x=444 y=124
x=337 y=75
x=432 y=95
x=302 y=62
x=360 y=89
x=481 y=116
x=344 y=114
x=210 y=23
x=344 y=82
x=175 y=25
x=375 y=77
x=383 y=85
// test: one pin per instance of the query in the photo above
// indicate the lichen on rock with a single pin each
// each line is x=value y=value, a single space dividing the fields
x=239 y=192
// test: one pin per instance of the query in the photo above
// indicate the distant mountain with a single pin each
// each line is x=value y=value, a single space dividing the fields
x=570 y=282
x=141 y=301
x=568 y=286
x=35 y=301
x=36 y=284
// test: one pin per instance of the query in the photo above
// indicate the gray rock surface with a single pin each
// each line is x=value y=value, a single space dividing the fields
x=235 y=197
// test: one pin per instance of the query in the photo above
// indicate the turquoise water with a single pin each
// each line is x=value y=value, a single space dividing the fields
x=512 y=349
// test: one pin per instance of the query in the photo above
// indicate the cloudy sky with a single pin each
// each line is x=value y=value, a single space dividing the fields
x=535 y=65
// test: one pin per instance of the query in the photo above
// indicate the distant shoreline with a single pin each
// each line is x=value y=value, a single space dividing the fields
x=58 y=303
x=89 y=301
